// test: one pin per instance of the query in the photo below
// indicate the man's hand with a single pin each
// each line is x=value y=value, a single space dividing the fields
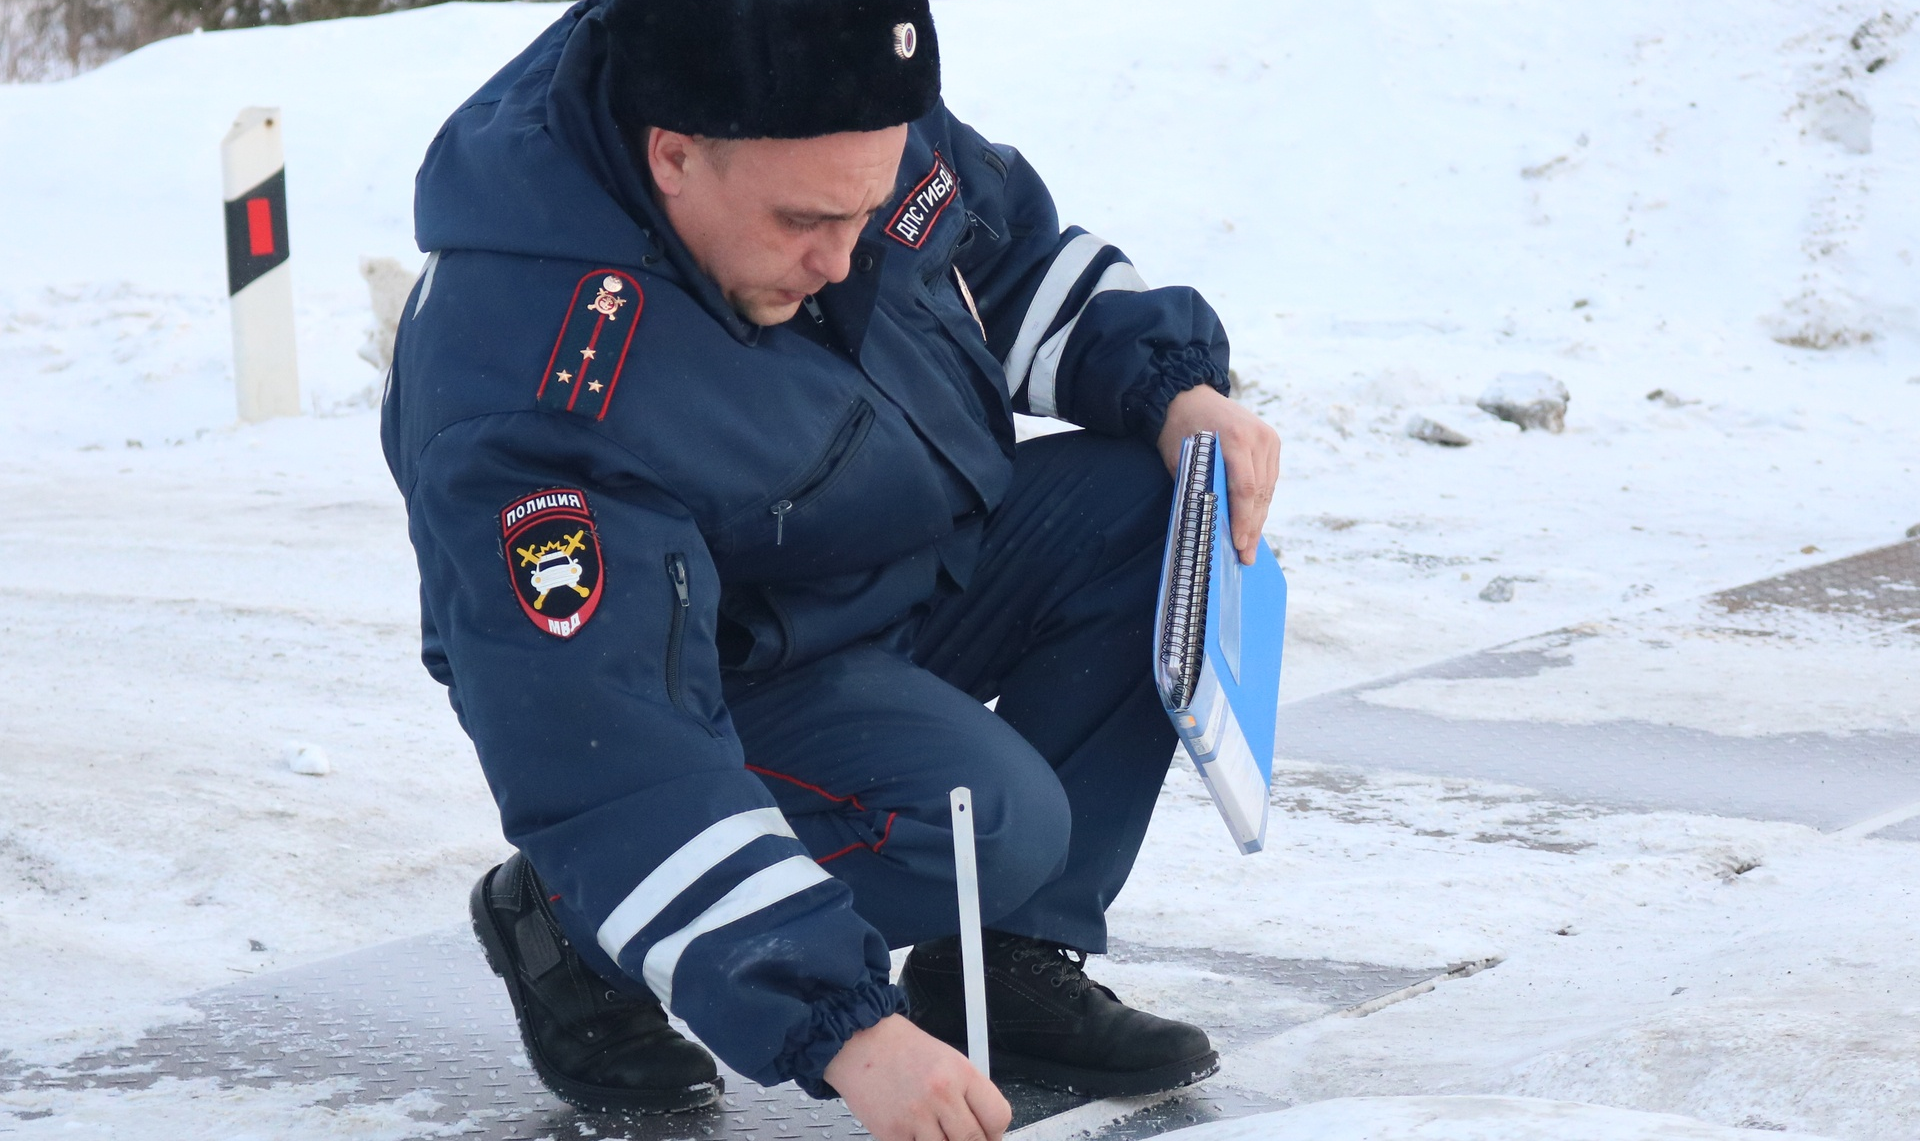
x=1250 y=447
x=903 y=1084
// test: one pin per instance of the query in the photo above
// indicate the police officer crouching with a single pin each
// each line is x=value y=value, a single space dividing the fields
x=702 y=409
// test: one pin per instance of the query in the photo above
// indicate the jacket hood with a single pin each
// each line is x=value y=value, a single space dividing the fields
x=533 y=164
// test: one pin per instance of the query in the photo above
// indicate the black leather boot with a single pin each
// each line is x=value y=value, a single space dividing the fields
x=597 y=1048
x=1049 y=1023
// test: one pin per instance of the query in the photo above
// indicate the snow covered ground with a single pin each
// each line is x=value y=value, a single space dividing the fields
x=1391 y=203
x=1742 y=973
x=1463 y=1119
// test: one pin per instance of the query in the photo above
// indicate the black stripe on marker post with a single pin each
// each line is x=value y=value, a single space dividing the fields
x=256 y=232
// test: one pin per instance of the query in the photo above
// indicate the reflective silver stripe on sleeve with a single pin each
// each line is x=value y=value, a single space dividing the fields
x=677 y=872
x=426 y=281
x=762 y=889
x=1061 y=277
x=1046 y=363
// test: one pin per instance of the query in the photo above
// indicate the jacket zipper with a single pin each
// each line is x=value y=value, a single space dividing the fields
x=849 y=437
x=677 y=626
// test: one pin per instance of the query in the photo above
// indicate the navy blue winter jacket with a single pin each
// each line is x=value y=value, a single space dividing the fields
x=618 y=489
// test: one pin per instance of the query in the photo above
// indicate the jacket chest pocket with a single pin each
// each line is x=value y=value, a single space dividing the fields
x=867 y=495
x=827 y=470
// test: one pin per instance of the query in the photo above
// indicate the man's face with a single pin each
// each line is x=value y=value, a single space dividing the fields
x=773 y=220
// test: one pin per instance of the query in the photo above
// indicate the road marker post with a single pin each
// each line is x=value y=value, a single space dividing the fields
x=259 y=280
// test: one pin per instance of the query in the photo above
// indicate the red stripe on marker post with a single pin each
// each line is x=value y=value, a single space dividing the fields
x=253 y=179
x=256 y=230
x=259 y=227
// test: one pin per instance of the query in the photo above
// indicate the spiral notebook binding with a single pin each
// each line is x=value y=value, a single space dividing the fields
x=1189 y=570
x=1217 y=645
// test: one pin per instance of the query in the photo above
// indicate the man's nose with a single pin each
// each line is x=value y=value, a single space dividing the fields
x=832 y=256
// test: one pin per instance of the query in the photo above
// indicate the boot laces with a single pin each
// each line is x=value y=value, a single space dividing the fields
x=1058 y=966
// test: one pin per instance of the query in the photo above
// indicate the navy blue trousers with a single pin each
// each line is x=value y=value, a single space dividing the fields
x=861 y=748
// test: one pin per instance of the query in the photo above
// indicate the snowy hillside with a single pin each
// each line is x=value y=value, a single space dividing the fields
x=1391 y=203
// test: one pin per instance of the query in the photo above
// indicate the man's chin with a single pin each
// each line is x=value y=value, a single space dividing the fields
x=774 y=310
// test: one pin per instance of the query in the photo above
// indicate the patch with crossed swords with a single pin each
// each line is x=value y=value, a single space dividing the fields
x=553 y=559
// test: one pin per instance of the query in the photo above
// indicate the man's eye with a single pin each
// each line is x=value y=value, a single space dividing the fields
x=800 y=225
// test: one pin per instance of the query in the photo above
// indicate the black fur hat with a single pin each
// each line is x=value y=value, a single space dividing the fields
x=780 y=69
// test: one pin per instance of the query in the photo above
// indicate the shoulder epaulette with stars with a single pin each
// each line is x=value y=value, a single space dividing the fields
x=592 y=346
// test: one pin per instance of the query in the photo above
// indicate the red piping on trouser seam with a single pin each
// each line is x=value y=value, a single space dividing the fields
x=853 y=800
x=814 y=788
x=856 y=846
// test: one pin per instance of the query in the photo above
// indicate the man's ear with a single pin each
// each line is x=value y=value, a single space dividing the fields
x=667 y=155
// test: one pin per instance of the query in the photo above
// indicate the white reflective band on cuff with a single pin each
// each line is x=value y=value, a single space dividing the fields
x=760 y=890
x=1061 y=277
x=677 y=872
x=1046 y=363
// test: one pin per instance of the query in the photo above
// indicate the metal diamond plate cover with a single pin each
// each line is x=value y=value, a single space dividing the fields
x=425 y=1014
x=1883 y=585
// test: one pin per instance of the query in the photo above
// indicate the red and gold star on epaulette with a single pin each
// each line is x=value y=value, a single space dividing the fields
x=592 y=346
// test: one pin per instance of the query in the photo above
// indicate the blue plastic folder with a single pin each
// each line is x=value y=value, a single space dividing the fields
x=1217 y=644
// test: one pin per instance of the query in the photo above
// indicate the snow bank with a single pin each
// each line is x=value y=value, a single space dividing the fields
x=113 y=277
x=1395 y=203
x=1392 y=205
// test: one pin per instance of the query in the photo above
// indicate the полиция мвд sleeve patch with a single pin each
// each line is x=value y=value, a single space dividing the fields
x=553 y=558
x=592 y=346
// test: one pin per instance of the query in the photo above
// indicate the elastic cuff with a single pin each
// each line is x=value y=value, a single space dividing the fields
x=1169 y=373
x=833 y=1020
